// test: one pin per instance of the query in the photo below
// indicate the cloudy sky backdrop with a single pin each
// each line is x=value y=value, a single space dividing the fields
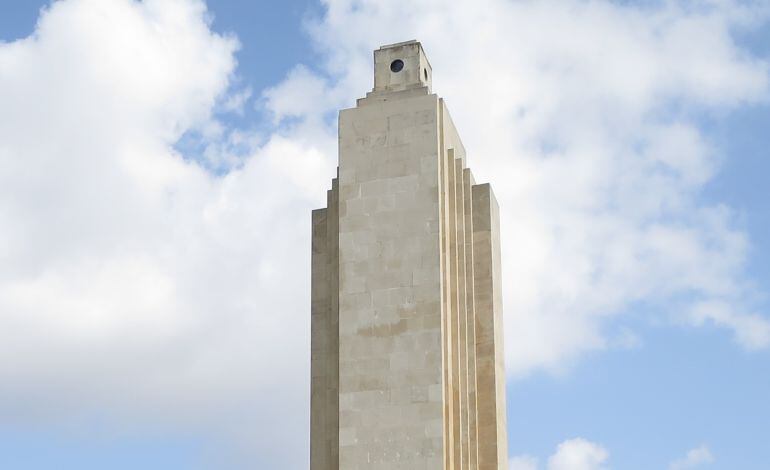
x=159 y=160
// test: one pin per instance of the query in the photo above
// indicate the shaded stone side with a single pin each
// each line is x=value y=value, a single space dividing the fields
x=462 y=312
x=453 y=312
x=332 y=384
x=324 y=408
x=319 y=348
x=468 y=182
x=461 y=416
x=446 y=304
x=490 y=370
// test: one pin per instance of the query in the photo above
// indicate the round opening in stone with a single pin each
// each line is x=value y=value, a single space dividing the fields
x=397 y=65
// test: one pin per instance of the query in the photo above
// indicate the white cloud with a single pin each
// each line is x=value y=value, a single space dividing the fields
x=572 y=454
x=302 y=94
x=582 y=116
x=695 y=458
x=136 y=283
x=237 y=101
x=578 y=454
x=751 y=329
x=522 y=462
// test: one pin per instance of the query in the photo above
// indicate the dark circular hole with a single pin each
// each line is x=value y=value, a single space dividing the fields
x=397 y=65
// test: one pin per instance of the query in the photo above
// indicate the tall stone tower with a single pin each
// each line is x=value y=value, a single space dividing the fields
x=407 y=350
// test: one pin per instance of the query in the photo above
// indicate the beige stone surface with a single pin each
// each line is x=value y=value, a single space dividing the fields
x=406 y=365
x=324 y=366
x=490 y=370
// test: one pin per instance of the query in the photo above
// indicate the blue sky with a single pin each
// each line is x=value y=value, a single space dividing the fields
x=622 y=359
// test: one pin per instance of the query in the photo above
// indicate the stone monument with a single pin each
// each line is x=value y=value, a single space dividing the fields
x=407 y=338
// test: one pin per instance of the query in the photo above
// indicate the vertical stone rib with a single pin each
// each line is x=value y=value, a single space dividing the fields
x=462 y=340
x=446 y=305
x=454 y=303
x=490 y=370
x=468 y=181
x=324 y=401
x=332 y=379
x=497 y=282
x=320 y=294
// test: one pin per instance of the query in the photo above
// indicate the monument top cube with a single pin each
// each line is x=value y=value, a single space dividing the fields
x=401 y=66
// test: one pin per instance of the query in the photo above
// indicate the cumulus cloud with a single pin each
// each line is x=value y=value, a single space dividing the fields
x=138 y=284
x=578 y=454
x=135 y=284
x=583 y=115
x=694 y=458
x=572 y=454
x=751 y=329
x=522 y=462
